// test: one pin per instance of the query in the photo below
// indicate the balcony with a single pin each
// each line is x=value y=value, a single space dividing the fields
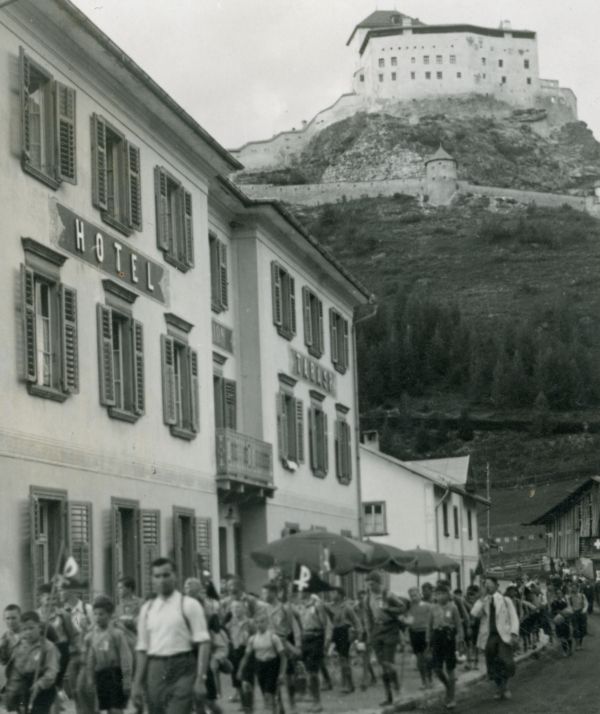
x=244 y=464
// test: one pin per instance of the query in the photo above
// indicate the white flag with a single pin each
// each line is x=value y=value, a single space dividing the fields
x=71 y=568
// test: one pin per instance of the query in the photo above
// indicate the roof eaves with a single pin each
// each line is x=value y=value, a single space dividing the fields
x=544 y=517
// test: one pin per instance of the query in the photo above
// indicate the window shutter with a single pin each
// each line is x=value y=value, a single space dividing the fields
x=99 y=180
x=65 y=127
x=339 y=464
x=293 y=305
x=134 y=192
x=348 y=451
x=308 y=331
x=312 y=435
x=162 y=208
x=195 y=390
x=325 y=444
x=333 y=333
x=29 y=334
x=177 y=543
x=203 y=543
x=70 y=349
x=116 y=545
x=230 y=389
x=150 y=549
x=282 y=428
x=80 y=543
x=345 y=356
x=276 y=294
x=139 y=404
x=188 y=227
x=299 y=406
x=223 y=282
x=319 y=339
x=105 y=356
x=39 y=546
x=24 y=78
x=167 y=346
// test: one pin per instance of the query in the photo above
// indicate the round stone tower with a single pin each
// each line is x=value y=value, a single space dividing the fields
x=441 y=177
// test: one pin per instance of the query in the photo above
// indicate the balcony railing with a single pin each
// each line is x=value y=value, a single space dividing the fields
x=243 y=459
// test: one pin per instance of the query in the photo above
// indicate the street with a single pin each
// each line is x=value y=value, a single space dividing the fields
x=548 y=684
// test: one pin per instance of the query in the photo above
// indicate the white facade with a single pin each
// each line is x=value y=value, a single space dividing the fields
x=421 y=504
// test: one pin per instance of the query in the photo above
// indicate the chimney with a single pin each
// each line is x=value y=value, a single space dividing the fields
x=505 y=25
x=371 y=439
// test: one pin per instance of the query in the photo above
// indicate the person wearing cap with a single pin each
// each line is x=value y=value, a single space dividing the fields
x=383 y=623
x=315 y=625
x=498 y=635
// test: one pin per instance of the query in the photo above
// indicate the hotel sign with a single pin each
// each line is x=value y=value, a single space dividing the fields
x=309 y=370
x=114 y=257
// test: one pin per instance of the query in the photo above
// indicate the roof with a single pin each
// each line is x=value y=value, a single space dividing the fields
x=570 y=495
x=277 y=206
x=381 y=19
x=141 y=76
x=450 y=473
x=440 y=155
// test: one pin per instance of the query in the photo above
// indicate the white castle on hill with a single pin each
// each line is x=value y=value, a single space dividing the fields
x=401 y=59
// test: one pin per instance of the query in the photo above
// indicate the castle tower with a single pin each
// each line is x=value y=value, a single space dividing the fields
x=441 y=177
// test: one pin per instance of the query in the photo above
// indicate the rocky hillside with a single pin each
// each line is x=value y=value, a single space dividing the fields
x=493 y=145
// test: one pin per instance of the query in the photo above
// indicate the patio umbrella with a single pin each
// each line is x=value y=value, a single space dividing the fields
x=425 y=562
x=387 y=557
x=318 y=550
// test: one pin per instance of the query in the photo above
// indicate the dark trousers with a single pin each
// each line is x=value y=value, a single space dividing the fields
x=499 y=660
x=170 y=684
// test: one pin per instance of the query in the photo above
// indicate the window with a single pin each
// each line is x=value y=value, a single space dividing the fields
x=225 y=393
x=484 y=61
x=439 y=59
x=125 y=542
x=425 y=59
x=413 y=75
x=116 y=177
x=313 y=322
x=184 y=542
x=318 y=436
x=381 y=77
x=445 y=519
x=150 y=547
x=47 y=125
x=427 y=75
x=374 y=518
x=470 y=523
x=452 y=59
x=362 y=77
x=174 y=220
x=500 y=63
x=290 y=429
x=120 y=363
x=528 y=80
x=459 y=75
x=343 y=448
x=413 y=60
x=218 y=275
x=49 y=325
x=393 y=76
x=48 y=511
x=283 y=288
x=455 y=514
x=180 y=380
x=394 y=61
x=526 y=64
x=503 y=80
x=338 y=330
x=381 y=62
x=439 y=75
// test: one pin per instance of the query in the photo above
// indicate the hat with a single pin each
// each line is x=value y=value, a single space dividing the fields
x=374 y=577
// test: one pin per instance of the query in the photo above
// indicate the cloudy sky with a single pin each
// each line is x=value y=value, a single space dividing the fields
x=246 y=69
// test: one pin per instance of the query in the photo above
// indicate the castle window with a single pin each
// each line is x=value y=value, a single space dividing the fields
x=413 y=75
x=381 y=62
x=393 y=76
x=439 y=75
x=526 y=64
x=427 y=75
x=452 y=59
x=439 y=59
x=394 y=61
x=425 y=59
x=500 y=63
x=503 y=80
x=528 y=80
x=381 y=78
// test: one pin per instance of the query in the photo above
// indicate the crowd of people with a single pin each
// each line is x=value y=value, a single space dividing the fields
x=173 y=651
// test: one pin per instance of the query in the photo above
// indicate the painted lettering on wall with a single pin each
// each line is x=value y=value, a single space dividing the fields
x=115 y=258
x=310 y=370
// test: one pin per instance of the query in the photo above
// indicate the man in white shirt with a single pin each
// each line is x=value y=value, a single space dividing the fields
x=173 y=647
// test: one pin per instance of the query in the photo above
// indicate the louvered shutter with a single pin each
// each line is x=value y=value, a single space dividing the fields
x=25 y=78
x=106 y=372
x=299 y=414
x=319 y=338
x=150 y=546
x=223 y=281
x=65 y=127
x=99 y=178
x=347 y=452
x=162 y=209
x=339 y=466
x=230 y=395
x=345 y=357
x=282 y=427
x=38 y=546
x=167 y=346
x=312 y=436
x=116 y=546
x=195 y=390
x=325 y=443
x=80 y=543
x=308 y=327
x=29 y=333
x=292 y=305
x=188 y=227
x=69 y=346
x=177 y=543
x=333 y=333
x=139 y=402
x=204 y=543
x=134 y=186
x=276 y=294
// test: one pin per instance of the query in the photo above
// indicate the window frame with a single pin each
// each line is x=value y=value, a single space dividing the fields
x=470 y=523
x=225 y=398
x=445 y=521
x=174 y=220
x=283 y=293
x=455 y=516
x=318 y=436
x=343 y=446
x=366 y=525
x=339 y=335
x=219 y=274
x=312 y=309
x=290 y=426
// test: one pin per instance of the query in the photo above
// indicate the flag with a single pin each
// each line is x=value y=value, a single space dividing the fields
x=306 y=580
x=70 y=569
